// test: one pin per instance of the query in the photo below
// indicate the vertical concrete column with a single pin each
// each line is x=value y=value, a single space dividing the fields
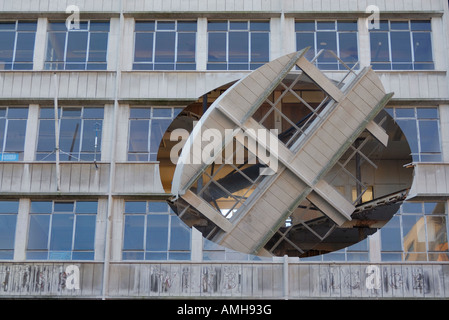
x=100 y=229
x=117 y=222
x=121 y=151
x=40 y=44
x=444 y=131
x=127 y=45
x=32 y=131
x=114 y=38
x=439 y=44
x=201 y=44
x=364 y=43
x=196 y=245
x=20 y=241
x=374 y=246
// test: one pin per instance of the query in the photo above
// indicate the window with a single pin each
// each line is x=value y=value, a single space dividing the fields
x=421 y=128
x=146 y=130
x=418 y=232
x=79 y=134
x=77 y=49
x=13 y=122
x=61 y=230
x=238 y=45
x=153 y=232
x=8 y=220
x=402 y=45
x=339 y=37
x=17 y=45
x=165 y=45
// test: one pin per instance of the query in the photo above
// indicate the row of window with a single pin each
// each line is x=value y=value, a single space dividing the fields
x=80 y=132
x=66 y=230
x=232 y=45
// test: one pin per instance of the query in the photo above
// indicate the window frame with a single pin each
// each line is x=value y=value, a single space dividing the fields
x=191 y=66
x=339 y=66
x=20 y=153
x=174 y=113
x=79 y=154
x=251 y=65
x=54 y=65
x=16 y=36
x=51 y=255
x=9 y=253
x=173 y=221
x=411 y=32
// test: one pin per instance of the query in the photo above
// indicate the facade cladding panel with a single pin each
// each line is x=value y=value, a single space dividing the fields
x=91 y=104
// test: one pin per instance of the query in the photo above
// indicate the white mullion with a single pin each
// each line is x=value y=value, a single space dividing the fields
x=80 y=144
x=5 y=132
x=87 y=45
x=150 y=125
x=50 y=224
x=14 y=50
x=65 y=48
x=73 y=229
x=176 y=46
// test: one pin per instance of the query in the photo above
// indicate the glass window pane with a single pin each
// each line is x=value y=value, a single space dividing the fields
x=217 y=47
x=414 y=233
x=238 y=25
x=140 y=113
x=17 y=113
x=427 y=113
x=187 y=26
x=38 y=232
x=410 y=132
x=217 y=26
x=86 y=207
x=165 y=47
x=84 y=232
x=179 y=235
x=15 y=138
x=405 y=113
x=348 y=47
x=429 y=136
x=186 y=47
x=399 y=25
x=91 y=136
x=165 y=25
x=157 y=233
x=99 y=26
x=98 y=47
x=437 y=234
x=391 y=235
x=259 y=26
x=135 y=207
x=134 y=231
x=347 y=25
x=260 y=47
x=25 y=47
x=63 y=206
x=421 y=25
x=138 y=135
x=401 y=47
x=41 y=207
x=144 y=47
x=305 y=26
x=238 y=47
x=9 y=206
x=158 y=128
x=325 y=25
x=327 y=41
x=61 y=232
x=77 y=47
x=154 y=207
x=380 y=51
x=7 y=231
x=144 y=26
x=7 y=46
x=55 y=46
x=162 y=113
x=46 y=139
x=422 y=47
x=69 y=135
x=411 y=207
x=27 y=26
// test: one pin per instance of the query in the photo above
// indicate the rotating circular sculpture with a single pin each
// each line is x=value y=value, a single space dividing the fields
x=260 y=181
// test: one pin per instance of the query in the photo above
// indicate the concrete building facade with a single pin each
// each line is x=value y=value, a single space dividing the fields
x=92 y=205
